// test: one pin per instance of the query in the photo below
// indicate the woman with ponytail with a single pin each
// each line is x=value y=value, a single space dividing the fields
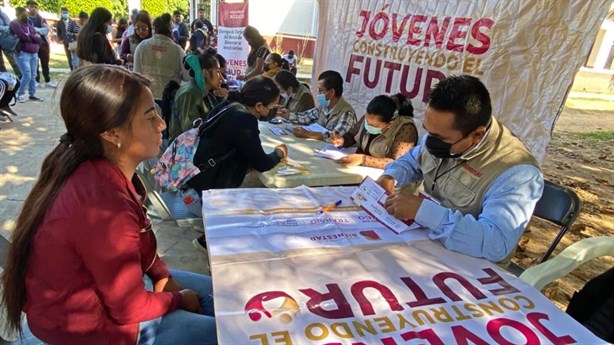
x=386 y=132
x=82 y=263
x=236 y=135
x=190 y=98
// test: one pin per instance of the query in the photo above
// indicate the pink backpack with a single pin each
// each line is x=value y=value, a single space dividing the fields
x=176 y=166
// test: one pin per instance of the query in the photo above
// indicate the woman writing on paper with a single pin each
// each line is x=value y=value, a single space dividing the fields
x=82 y=263
x=236 y=138
x=386 y=132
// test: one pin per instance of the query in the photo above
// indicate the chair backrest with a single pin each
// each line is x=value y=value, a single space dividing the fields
x=559 y=205
x=4 y=251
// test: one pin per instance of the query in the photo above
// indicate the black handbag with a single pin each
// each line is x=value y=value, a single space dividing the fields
x=8 y=42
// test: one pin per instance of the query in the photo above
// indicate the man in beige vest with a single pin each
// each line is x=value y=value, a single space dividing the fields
x=483 y=182
x=332 y=112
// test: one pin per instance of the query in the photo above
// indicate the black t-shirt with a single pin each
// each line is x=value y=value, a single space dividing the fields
x=236 y=129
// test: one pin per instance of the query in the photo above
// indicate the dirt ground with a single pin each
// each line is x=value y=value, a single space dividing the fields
x=587 y=166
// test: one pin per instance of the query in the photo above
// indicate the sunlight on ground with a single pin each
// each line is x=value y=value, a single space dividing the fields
x=590 y=104
x=14 y=179
x=8 y=225
x=597 y=169
x=15 y=141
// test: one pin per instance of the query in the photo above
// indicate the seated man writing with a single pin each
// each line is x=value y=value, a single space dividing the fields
x=485 y=181
x=333 y=112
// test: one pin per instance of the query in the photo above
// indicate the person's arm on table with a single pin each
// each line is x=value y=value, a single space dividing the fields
x=403 y=170
x=346 y=122
x=304 y=117
x=247 y=141
x=506 y=210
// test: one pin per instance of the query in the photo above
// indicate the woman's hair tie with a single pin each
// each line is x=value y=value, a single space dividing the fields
x=66 y=139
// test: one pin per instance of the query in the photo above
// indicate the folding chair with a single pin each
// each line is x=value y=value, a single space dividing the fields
x=593 y=306
x=568 y=260
x=559 y=205
x=155 y=197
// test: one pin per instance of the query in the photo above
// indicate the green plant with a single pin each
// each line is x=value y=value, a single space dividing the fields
x=279 y=39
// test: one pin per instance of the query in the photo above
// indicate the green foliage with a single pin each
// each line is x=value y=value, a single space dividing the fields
x=119 y=8
x=158 y=7
x=76 y=6
x=596 y=136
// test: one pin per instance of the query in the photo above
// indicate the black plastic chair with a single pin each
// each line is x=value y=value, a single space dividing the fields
x=559 y=205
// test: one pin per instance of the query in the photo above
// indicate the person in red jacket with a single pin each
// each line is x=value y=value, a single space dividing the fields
x=82 y=263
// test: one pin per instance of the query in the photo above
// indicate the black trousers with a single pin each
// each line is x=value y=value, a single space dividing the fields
x=68 y=56
x=43 y=57
x=8 y=96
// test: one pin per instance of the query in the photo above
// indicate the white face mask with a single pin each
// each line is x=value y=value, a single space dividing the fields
x=284 y=95
x=109 y=28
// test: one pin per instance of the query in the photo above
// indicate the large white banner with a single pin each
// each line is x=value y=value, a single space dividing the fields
x=389 y=295
x=286 y=273
x=232 y=20
x=526 y=52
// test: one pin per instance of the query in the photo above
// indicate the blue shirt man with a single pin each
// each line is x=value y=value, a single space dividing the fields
x=483 y=181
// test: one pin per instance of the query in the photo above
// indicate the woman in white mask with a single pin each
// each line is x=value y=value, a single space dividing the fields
x=386 y=132
x=296 y=96
x=93 y=47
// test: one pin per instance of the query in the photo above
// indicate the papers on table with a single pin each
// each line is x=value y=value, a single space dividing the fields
x=278 y=131
x=332 y=152
x=371 y=197
x=314 y=127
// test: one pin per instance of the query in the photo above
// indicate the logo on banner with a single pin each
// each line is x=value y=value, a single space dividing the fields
x=370 y=235
x=286 y=310
x=453 y=305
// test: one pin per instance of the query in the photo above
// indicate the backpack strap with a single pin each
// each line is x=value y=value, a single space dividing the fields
x=211 y=162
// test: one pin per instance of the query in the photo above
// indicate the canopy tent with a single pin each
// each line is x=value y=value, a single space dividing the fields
x=526 y=52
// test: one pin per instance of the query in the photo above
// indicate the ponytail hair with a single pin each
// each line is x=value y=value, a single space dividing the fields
x=283 y=64
x=206 y=60
x=258 y=89
x=94 y=99
x=387 y=107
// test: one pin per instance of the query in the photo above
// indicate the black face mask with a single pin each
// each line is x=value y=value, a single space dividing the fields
x=439 y=148
x=266 y=67
x=270 y=116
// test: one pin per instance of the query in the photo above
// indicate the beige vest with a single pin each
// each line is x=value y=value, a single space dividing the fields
x=381 y=146
x=330 y=118
x=463 y=187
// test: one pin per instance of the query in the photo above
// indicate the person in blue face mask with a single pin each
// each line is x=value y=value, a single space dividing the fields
x=61 y=31
x=386 y=132
x=482 y=181
x=92 y=42
x=331 y=112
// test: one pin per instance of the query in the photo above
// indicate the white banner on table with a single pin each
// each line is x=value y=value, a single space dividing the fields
x=255 y=220
x=526 y=52
x=390 y=295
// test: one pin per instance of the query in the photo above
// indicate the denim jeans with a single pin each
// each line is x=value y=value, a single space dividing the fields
x=28 y=64
x=180 y=326
x=74 y=59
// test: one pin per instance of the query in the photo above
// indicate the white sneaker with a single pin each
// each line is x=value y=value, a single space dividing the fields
x=21 y=99
x=37 y=85
x=51 y=84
